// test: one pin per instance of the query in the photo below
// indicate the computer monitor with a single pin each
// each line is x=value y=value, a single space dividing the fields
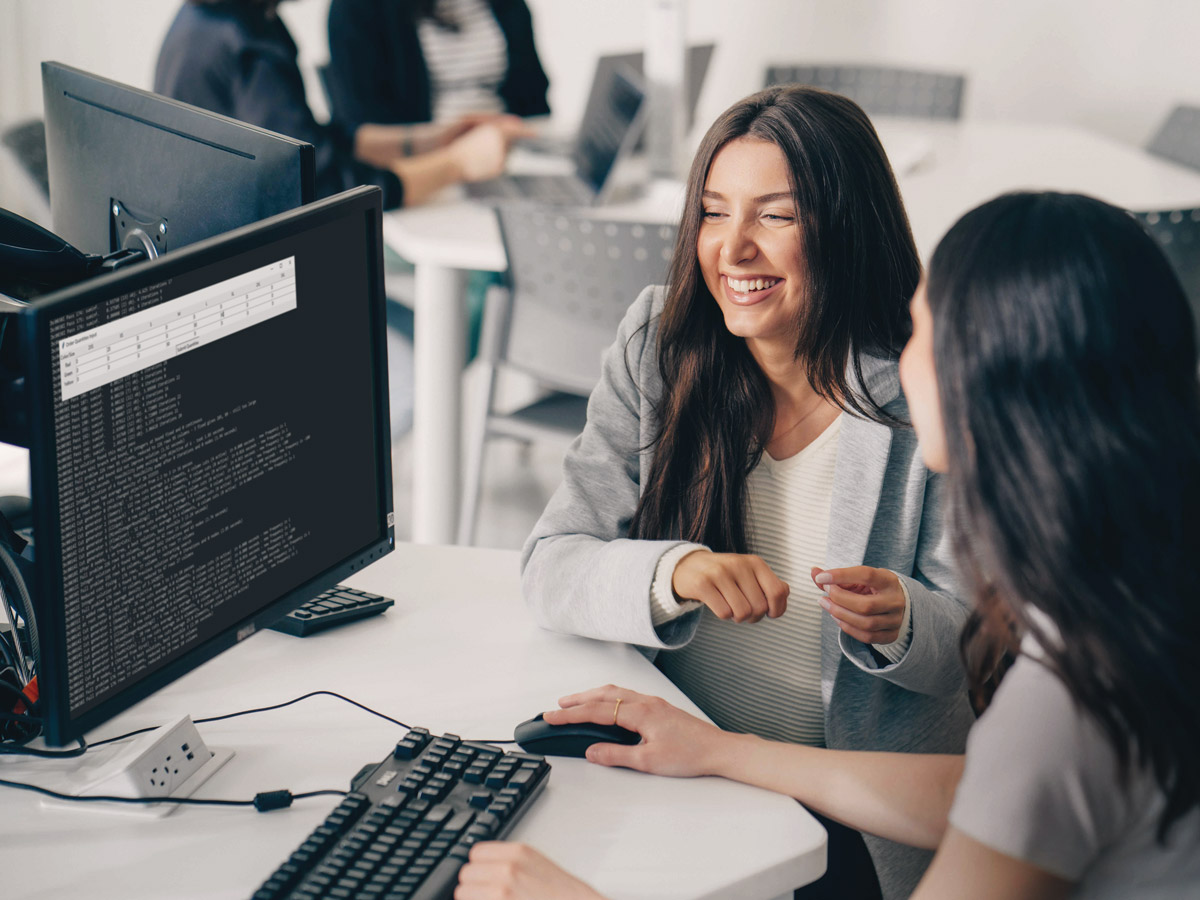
x=210 y=448
x=132 y=169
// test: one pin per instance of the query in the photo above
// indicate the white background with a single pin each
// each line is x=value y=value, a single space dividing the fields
x=1111 y=65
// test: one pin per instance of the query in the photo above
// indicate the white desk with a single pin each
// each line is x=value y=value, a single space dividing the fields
x=952 y=168
x=457 y=653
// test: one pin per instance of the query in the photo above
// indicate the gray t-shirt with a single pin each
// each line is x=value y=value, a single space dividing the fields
x=1040 y=784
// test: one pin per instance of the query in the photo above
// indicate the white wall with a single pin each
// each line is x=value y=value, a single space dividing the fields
x=1110 y=65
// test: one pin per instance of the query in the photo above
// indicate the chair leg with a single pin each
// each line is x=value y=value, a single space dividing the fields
x=480 y=410
x=472 y=481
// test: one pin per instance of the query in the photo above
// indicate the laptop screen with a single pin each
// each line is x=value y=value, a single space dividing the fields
x=695 y=68
x=609 y=129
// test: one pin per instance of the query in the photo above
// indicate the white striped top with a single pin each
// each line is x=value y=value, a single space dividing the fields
x=467 y=66
x=765 y=678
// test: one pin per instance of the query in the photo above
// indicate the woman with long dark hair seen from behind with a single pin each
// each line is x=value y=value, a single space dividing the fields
x=1052 y=375
x=746 y=499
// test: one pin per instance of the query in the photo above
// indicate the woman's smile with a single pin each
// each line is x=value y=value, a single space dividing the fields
x=750 y=290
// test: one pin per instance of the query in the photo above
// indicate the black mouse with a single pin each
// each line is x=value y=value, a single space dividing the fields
x=538 y=736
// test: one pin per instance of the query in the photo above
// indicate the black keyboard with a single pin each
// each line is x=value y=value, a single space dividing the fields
x=341 y=604
x=409 y=822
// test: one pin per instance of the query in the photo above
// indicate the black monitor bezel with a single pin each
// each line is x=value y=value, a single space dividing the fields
x=59 y=727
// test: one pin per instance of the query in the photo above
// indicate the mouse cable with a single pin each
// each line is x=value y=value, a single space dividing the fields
x=265 y=801
x=261 y=709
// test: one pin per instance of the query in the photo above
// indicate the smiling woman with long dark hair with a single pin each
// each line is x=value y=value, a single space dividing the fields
x=1052 y=375
x=746 y=498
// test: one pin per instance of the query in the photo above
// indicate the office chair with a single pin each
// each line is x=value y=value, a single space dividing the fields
x=1179 y=137
x=571 y=277
x=881 y=91
x=24 y=153
x=1178 y=233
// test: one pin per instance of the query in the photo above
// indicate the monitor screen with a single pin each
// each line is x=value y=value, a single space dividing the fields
x=134 y=170
x=210 y=448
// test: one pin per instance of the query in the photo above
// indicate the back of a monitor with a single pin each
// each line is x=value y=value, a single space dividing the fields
x=129 y=168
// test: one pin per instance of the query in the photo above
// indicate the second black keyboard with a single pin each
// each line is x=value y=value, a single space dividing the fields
x=409 y=822
x=334 y=607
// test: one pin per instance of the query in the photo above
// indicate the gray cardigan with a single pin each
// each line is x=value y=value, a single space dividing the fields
x=582 y=575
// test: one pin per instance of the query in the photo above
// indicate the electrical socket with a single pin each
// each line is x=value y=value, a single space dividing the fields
x=161 y=760
x=169 y=762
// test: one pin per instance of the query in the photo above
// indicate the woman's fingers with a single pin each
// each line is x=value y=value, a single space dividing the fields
x=774 y=589
x=734 y=586
x=609 y=692
x=868 y=624
x=601 y=712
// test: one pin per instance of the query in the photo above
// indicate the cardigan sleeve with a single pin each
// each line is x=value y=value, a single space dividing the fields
x=376 y=72
x=937 y=608
x=581 y=574
x=525 y=84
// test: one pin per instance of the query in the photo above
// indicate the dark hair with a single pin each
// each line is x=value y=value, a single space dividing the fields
x=717 y=411
x=1066 y=365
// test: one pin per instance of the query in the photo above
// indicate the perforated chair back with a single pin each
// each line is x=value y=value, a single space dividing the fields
x=1178 y=233
x=1179 y=137
x=882 y=91
x=572 y=277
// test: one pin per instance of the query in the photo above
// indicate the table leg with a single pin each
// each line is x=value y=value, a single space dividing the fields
x=439 y=352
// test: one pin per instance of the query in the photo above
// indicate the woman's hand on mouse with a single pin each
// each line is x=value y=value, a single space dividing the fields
x=516 y=872
x=865 y=602
x=673 y=742
x=735 y=586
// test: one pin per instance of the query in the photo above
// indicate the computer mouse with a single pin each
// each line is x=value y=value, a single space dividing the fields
x=536 y=735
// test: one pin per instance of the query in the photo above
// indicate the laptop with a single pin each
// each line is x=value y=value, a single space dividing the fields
x=695 y=69
x=610 y=129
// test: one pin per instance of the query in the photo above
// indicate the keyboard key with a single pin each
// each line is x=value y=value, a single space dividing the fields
x=480 y=799
x=459 y=823
x=406 y=749
x=521 y=779
x=488 y=820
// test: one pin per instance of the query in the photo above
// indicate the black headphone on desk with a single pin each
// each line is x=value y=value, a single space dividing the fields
x=19 y=647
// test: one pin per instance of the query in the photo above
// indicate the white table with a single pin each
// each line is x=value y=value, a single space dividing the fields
x=946 y=169
x=457 y=653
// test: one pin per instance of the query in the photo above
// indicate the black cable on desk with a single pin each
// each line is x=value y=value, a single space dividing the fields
x=260 y=709
x=263 y=802
x=22 y=750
